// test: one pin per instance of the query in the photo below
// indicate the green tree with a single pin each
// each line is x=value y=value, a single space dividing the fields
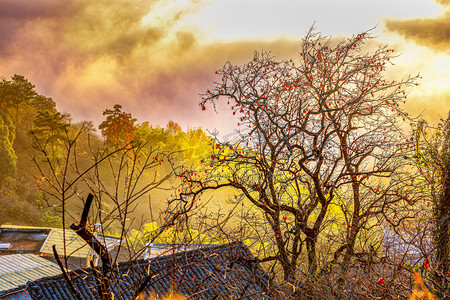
x=19 y=107
x=42 y=103
x=14 y=93
x=8 y=158
x=190 y=146
x=50 y=129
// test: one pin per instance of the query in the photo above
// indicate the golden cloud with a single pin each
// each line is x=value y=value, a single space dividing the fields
x=432 y=32
x=432 y=106
x=443 y=2
x=431 y=99
x=89 y=55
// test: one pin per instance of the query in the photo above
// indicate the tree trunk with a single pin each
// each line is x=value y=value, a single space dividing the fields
x=351 y=245
x=348 y=254
x=311 y=250
x=287 y=265
x=289 y=272
x=104 y=288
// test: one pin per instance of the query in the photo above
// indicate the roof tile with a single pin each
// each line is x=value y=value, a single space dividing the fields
x=218 y=271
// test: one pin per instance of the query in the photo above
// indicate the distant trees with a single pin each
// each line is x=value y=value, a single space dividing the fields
x=8 y=157
x=50 y=128
x=319 y=153
x=190 y=145
x=121 y=177
x=173 y=127
x=13 y=93
x=119 y=127
x=19 y=105
x=118 y=179
x=30 y=121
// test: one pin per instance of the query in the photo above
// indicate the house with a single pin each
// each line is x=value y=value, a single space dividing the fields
x=15 y=239
x=17 y=269
x=217 y=272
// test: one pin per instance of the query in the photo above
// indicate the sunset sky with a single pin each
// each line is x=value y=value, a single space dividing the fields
x=155 y=56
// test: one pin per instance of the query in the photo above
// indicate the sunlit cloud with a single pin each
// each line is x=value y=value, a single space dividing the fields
x=443 y=2
x=432 y=32
x=89 y=55
x=146 y=55
x=431 y=99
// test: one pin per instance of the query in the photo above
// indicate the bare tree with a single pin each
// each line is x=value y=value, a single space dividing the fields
x=116 y=178
x=319 y=153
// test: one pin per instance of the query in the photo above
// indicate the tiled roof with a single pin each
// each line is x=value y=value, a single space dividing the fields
x=217 y=272
x=18 y=269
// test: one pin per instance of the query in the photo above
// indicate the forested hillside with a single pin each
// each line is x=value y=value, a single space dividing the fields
x=21 y=110
x=30 y=123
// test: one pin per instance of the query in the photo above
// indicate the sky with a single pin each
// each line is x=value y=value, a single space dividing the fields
x=154 y=57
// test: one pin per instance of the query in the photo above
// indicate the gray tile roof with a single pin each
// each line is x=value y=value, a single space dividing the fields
x=217 y=272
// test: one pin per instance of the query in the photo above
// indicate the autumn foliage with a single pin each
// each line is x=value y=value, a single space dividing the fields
x=420 y=291
x=118 y=128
